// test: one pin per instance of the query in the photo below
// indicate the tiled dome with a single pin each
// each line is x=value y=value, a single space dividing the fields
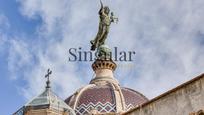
x=102 y=98
x=132 y=98
x=104 y=95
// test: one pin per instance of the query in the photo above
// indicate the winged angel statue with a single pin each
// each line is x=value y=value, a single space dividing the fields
x=104 y=25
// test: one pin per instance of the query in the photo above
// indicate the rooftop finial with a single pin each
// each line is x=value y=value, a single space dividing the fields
x=49 y=72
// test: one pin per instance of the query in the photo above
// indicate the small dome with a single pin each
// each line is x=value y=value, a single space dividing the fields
x=47 y=99
x=46 y=103
x=103 y=99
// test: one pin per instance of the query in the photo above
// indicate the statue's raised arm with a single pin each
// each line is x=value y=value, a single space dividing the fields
x=101 y=4
x=101 y=9
x=104 y=25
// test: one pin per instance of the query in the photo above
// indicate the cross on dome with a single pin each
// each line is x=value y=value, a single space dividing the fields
x=49 y=72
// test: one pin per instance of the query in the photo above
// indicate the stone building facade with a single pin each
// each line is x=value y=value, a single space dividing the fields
x=186 y=99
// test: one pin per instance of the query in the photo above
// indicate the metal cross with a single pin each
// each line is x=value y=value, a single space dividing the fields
x=49 y=72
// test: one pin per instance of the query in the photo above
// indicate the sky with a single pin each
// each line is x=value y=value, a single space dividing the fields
x=167 y=36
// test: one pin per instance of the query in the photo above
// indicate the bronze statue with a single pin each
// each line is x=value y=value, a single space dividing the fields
x=104 y=25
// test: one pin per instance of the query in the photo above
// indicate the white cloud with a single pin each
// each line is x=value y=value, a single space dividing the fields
x=166 y=35
x=19 y=56
x=4 y=24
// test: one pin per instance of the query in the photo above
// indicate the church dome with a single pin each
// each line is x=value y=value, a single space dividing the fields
x=103 y=99
x=104 y=95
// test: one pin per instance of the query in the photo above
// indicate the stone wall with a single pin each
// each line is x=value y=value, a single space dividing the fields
x=186 y=99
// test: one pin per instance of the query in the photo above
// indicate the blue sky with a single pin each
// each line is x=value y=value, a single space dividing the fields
x=167 y=36
x=13 y=23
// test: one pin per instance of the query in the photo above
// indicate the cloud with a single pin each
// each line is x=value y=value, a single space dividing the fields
x=166 y=35
x=19 y=56
x=4 y=25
